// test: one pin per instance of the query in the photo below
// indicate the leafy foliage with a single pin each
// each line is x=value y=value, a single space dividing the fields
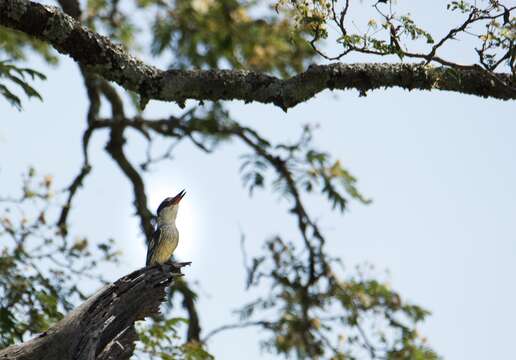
x=310 y=169
x=16 y=75
x=106 y=16
x=330 y=317
x=17 y=46
x=213 y=34
x=40 y=271
x=159 y=339
x=388 y=32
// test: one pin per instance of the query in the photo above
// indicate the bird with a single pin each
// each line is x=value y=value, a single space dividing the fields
x=166 y=236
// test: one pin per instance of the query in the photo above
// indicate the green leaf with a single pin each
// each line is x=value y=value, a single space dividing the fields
x=7 y=71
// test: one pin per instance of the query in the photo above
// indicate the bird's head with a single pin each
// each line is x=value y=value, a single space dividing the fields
x=167 y=210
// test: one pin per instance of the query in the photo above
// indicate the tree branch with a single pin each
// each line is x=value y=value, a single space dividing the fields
x=115 y=147
x=103 y=326
x=98 y=54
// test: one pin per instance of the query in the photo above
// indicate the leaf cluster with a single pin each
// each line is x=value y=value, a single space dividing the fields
x=390 y=33
x=335 y=318
x=227 y=33
x=40 y=270
x=19 y=46
x=308 y=168
x=15 y=47
x=12 y=74
x=159 y=339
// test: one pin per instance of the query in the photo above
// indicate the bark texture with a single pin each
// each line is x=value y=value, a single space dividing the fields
x=98 y=54
x=102 y=327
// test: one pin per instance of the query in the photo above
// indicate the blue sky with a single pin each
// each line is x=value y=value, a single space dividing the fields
x=439 y=167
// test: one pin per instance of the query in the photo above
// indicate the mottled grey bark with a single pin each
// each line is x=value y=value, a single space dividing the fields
x=102 y=327
x=98 y=54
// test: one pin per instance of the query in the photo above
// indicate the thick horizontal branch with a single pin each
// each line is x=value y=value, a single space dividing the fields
x=98 y=54
x=102 y=328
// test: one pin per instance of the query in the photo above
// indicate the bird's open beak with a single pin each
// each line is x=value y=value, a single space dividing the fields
x=179 y=196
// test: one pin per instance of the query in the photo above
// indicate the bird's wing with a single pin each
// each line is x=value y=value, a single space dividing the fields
x=152 y=245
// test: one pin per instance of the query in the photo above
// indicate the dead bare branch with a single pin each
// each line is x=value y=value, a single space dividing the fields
x=103 y=326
